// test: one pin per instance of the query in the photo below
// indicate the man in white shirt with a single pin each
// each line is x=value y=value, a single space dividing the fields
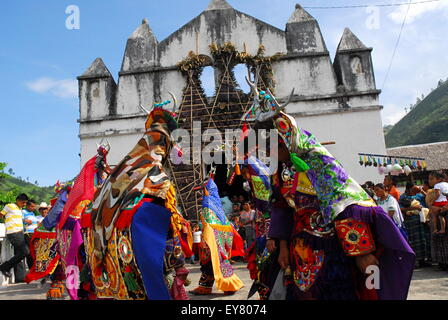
x=14 y=233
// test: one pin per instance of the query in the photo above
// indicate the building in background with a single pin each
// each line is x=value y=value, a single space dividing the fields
x=337 y=101
x=435 y=155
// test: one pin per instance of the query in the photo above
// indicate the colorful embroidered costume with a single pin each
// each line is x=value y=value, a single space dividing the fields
x=132 y=228
x=44 y=247
x=216 y=246
x=59 y=236
x=69 y=236
x=258 y=176
x=327 y=220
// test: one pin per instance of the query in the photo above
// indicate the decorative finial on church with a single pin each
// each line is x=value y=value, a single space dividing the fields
x=300 y=15
x=218 y=5
x=349 y=41
x=97 y=69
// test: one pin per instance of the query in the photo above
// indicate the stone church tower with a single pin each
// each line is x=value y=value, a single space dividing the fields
x=337 y=101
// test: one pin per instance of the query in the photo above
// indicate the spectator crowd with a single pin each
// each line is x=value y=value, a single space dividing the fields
x=21 y=219
x=419 y=213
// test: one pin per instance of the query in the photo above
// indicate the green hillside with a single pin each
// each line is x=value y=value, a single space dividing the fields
x=10 y=187
x=426 y=123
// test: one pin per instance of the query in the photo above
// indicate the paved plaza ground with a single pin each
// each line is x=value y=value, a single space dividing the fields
x=427 y=284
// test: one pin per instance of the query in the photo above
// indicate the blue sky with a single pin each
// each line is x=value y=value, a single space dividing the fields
x=40 y=59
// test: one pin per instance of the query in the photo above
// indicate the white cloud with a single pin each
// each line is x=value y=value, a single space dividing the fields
x=392 y=114
x=416 y=11
x=65 y=88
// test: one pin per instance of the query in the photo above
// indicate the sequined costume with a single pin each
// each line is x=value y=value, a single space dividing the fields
x=216 y=246
x=44 y=247
x=258 y=177
x=69 y=236
x=59 y=236
x=132 y=228
x=327 y=220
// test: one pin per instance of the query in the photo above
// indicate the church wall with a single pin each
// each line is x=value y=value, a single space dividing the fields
x=220 y=27
x=334 y=101
x=310 y=75
x=120 y=146
x=353 y=132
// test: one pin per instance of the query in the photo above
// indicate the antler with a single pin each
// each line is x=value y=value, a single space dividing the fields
x=280 y=107
x=174 y=100
x=107 y=146
x=283 y=106
x=253 y=85
x=161 y=104
x=143 y=108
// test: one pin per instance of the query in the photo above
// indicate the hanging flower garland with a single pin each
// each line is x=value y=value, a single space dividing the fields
x=196 y=62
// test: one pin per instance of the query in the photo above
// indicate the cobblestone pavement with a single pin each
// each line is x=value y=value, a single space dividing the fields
x=427 y=284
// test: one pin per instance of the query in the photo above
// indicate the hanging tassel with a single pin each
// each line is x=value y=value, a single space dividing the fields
x=299 y=164
x=84 y=275
x=237 y=170
x=130 y=281
x=124 y=219
x=244 y=132
x=86 y=220
x=231 y=176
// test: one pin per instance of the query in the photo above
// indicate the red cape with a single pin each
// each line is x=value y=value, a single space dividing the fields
x=83 y=189
x=237 y=245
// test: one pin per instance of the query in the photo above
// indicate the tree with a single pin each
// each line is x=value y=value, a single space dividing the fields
x=440 y=83
x=10 y=196
x=2 y=167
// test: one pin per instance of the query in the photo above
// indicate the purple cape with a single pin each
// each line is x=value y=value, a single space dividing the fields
x=396 y=263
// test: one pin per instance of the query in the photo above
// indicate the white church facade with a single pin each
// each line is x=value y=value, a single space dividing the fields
x=335 y=100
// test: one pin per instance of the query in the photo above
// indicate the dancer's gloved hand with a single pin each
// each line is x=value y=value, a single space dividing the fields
x=283 y=258
x=365 y=260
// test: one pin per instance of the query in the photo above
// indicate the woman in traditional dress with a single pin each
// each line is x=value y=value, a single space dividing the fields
x=439 y=241
x=419 y=234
